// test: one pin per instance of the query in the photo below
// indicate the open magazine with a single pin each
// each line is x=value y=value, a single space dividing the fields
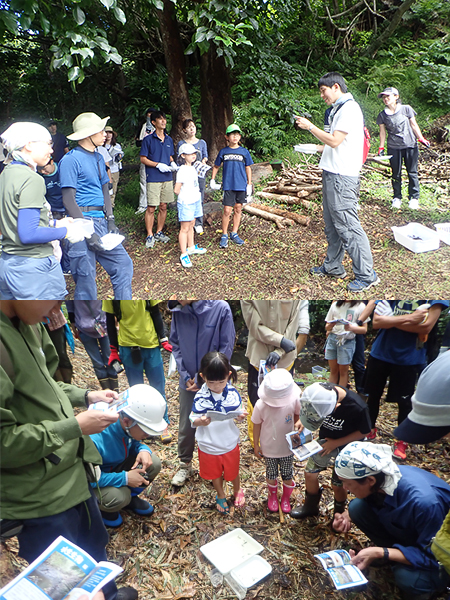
x=116 y=406
x=62 y=571
x=302 y=445
x=337 y=564
x=215 y=415
x=341 y=321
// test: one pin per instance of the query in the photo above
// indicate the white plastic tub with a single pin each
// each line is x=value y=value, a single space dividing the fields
x=416 y=237
x=251 y=571
x=443 y=231
x=319 y=371
x=231 y=550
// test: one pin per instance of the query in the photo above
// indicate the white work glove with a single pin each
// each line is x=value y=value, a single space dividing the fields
x=174 y=166
x=383 y=308
x=249 y=193
x=162 y=168
x=75 y=232
x=214 y=186
x=425 y=308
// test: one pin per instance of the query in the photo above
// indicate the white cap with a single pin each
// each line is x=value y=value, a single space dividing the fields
x=317 y=402
x=186 y=149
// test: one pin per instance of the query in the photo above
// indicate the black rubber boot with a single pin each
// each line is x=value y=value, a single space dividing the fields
x=310 y=507
x=114 y=384
x=104 y=384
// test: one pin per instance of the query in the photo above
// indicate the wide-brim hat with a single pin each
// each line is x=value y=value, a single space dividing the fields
x=87 y=124
x=278 y=388
x=316 y=404
x=232 y=128
x=429 y=419
x=388 y=91
x=110 y=129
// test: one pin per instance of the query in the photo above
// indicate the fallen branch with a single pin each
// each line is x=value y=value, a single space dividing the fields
x=286 y=199
x=284 y=213
x=280 y=221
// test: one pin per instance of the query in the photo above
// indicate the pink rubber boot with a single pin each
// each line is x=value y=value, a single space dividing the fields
x=272 y=501
x=285 y=503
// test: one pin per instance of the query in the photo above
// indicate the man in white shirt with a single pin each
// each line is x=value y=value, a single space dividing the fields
x=342 y=157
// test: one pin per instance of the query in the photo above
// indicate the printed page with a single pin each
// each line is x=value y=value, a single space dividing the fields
x=115 y=407
x=298 y=445
x=342 y=573
x=220 y=416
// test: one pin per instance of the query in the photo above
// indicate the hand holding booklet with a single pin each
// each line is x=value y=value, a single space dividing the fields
x=337 y=564
x=62 y=571
x=302 y=445
x=215 y=415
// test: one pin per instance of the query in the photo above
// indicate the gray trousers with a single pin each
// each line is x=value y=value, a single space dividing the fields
x=343 y=229
x=186 y=433
x=113 y=499
x=142 y=187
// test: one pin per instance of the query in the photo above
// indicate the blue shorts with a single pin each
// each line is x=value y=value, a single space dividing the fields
x=342 y=353
x=189 y=212
x=27 y=278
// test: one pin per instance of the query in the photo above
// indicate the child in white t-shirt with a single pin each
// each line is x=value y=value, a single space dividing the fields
x=189 y=203
x=340 y=346
x=218 y=440
x=274 y=415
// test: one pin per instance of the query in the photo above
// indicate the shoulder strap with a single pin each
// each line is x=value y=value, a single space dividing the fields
x=117 y=309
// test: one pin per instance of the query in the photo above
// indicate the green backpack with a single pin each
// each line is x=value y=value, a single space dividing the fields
x=440 y=544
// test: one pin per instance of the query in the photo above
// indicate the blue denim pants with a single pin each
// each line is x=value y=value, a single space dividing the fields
x=98 y=351
x=27 y=278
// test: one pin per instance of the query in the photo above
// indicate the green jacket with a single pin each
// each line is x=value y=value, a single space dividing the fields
x=42 y=447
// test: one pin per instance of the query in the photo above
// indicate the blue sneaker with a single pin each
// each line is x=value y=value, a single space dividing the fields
x=185 y=260
x=224 y=241
x=196 y=250
x=236 y=239
x=162 y=237
x=150 y=241
x=321 y=272
x=358 y=286
x=140 y=506
x=111 y=519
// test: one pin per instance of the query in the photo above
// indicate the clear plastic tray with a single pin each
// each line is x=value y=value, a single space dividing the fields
x=416 y=237
x=231 y=550
x=251 y=571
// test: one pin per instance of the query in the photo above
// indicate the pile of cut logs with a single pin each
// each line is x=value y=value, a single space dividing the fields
x=295 y=186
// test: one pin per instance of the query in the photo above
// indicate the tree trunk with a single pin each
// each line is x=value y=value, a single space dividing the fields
x=389 y=30
x=176 y=68
x=216 y=108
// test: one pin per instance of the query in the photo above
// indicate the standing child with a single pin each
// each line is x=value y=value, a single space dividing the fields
x=274 y=415
x=237 y=182
x=341 y=337
x=189 y=203
x=218 y=441
x=399 y=121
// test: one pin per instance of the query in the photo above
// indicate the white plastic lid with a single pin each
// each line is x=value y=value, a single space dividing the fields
x=251 y=571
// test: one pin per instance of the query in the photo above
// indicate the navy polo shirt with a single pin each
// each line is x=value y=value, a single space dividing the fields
x=159 y=151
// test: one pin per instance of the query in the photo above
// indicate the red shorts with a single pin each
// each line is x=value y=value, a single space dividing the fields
x=213 y=466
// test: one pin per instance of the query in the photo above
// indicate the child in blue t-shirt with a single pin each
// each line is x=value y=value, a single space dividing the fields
x=237 y=182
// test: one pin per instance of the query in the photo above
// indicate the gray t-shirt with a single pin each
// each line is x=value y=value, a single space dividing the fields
x=398 y=127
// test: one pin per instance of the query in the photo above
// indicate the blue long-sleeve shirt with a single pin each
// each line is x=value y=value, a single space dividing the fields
x=115 y=446
x=415 y=513
x=198 y=328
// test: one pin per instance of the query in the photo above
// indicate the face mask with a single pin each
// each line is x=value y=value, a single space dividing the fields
x=149 y=122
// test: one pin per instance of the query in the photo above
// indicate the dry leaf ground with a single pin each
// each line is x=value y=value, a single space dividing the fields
x=160 y=554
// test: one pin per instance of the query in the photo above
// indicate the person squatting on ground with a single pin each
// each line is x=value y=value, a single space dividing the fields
x=218 y=441
x=189 y=203
x=399 y=509
x=399 y=122
x=45 y=447
x=272 y=330
x=137 y=345
x=29 y=270
x=85 y=189
x=198 y=327
x=88 y=323
x=275 y=415
x=399 y=352
x=341 y=337
x=236 y=182
x=342 y=418
x=157 y=155
x=129 y=466
x=189 y=137
x=341 y=162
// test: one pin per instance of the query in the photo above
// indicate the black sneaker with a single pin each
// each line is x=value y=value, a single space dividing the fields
x=126 y=593
x=321 y=272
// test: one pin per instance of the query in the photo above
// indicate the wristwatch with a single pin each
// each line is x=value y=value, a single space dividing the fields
x=359 y=323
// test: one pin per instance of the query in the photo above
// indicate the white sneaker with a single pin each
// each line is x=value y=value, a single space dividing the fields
x=140 y=210
x=184 y=472
x=396 y=203
x=198 y=229
x=413 y=203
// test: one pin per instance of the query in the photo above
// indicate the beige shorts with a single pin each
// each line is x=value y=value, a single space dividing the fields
x=160 y=192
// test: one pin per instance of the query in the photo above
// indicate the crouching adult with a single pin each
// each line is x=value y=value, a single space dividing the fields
x=129 y=466
x=399 y=509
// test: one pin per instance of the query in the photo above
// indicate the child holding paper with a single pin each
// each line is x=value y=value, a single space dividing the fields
x=274 y=415
x=342 y=326
x=218 y=441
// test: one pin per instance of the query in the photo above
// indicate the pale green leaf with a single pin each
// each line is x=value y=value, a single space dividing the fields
x=107 y=3
x=115 y=57
x=120 y=15
x=79 y=16
x=73 y=73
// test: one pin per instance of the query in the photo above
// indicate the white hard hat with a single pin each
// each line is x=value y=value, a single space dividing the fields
x=186 y=149
x=147 y=407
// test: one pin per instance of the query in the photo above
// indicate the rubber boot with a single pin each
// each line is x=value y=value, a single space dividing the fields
x=310 y=507
x=104 y=384
x=339 y=507
x=285 y=503
x=114 y=384
x=111 y=519
x=272 y=501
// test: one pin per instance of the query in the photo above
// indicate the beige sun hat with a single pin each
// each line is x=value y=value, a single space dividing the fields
x=87 y=124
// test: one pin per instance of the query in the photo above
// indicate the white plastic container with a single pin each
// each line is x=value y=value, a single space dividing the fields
x=230 y=550
x=87 y=225
x=416 y=237
x=443 y=231
x=251 y=571
x=318 y=371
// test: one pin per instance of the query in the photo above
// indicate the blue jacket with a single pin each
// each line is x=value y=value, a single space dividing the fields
x=198 y=328
x=115 y=446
